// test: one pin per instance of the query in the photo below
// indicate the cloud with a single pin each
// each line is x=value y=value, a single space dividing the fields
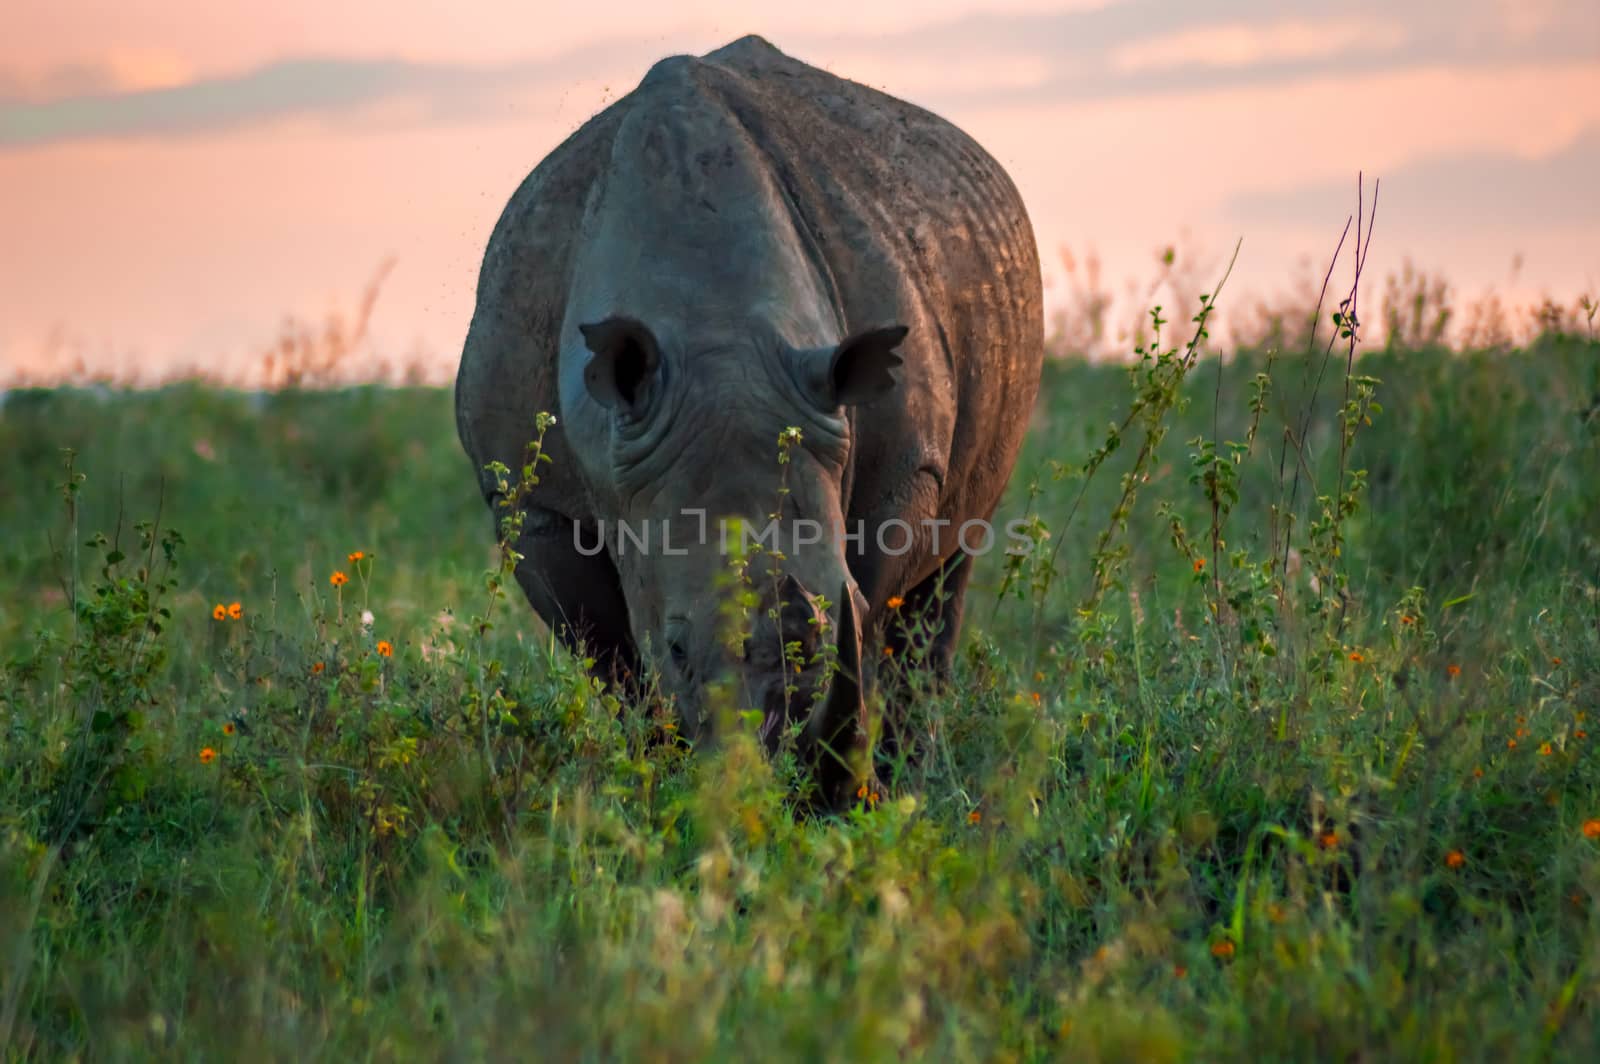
x=327 y=87
x=1245 y=45
x=1451 y=193
x=1091 y=50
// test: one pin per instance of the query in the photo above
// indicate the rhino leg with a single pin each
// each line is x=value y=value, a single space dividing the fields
x=934 y=605
x=938 y=602
x=578 y=596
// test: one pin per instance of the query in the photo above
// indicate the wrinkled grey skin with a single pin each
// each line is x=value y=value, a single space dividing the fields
x=740 y=245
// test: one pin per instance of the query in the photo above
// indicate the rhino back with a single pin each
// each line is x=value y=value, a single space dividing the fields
x=916 y=223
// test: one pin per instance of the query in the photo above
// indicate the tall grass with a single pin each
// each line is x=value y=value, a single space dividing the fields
x=1229 y=768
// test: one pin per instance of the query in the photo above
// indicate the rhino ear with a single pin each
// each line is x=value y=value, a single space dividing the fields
x=624 y=362
x=857 y=371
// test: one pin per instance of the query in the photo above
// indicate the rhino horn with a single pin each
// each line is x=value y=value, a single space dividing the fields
x=836 y=730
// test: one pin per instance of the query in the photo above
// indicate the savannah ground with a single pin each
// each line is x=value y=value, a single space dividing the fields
x=1270 y=751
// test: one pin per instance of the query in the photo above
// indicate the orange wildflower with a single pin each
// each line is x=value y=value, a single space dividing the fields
x=385 y=648
x=219 y=612
x=207 y=755
x=1544 y=749
x=1355 y=656
x=1406 y=618
x=1179 y=971
x=338 y=579
x=1591 y=828
x=1222 y=950
x=895 y=602
x=1580 y=734
x=1511 y=744
x=317 y=667
x=1555 y=661
x=1477 y=773
x=1036 y=698
x=861 y=792
x=888 y=652
x=228 y=728
x=1452 y=671
x=1199 y=563
x=974 y=817
x=356 y=556
x=235 y=611
x=1455 y=859
x=1329 y=839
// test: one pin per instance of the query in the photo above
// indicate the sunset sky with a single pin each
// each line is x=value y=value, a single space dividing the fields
x=176 y=177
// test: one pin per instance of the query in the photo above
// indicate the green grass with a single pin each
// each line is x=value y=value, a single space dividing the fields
x=1203 y=812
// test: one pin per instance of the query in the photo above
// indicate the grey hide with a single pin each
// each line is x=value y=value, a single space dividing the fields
x=741 y=245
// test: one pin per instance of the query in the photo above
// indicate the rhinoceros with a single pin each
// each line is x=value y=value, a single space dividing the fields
x=751 y=289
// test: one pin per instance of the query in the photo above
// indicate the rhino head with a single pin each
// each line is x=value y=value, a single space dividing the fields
x=692 y=455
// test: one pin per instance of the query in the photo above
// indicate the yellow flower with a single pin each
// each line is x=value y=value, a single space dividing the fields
x=338 y=579
x=356 y=556
x=228 y=728
x=207 y=755
x=385 y=648
x=1455 y=859
x=235 y=611
x=895 y=602
x=219 y=612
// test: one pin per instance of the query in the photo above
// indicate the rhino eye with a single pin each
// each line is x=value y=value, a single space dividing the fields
x=680 y=656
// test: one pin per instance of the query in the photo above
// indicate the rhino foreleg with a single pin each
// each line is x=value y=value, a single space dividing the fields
x=929 y=621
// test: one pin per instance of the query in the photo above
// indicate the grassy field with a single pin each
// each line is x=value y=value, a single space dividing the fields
x=1269 y=751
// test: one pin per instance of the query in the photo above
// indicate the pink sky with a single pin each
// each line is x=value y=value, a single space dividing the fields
x=176 y=178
